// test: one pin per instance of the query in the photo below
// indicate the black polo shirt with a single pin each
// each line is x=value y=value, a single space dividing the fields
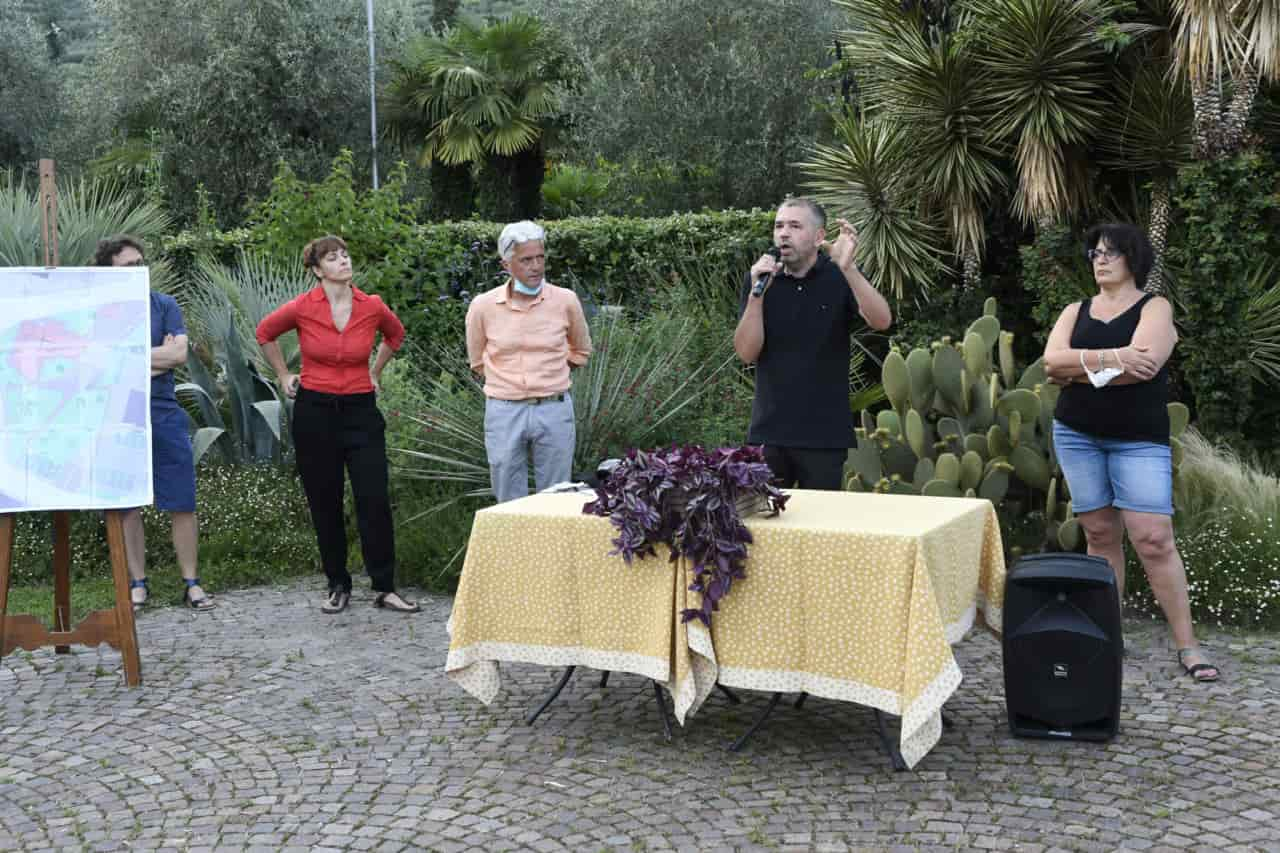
x=802 y=374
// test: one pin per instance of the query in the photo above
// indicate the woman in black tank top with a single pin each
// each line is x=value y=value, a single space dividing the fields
x=1111 y=424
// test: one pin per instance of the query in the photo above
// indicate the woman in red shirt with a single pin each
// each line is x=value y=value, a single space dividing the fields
x=336 y=421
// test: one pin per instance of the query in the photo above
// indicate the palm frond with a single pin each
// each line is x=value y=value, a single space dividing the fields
x=938 y=91
x=88 y=211
x=864 y=176
x=1261 y=29
x=1207 y=40
x=476 y=91
x=1156 y=132
x=1262 y=322
x=1047 y=72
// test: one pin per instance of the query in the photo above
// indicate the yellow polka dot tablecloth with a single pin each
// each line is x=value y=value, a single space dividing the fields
x=859 y=597
x=848 y=596
x=539 y=586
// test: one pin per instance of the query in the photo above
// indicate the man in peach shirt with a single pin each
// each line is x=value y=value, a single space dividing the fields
x=522 y=338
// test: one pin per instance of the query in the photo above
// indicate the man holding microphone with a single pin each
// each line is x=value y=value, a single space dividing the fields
x=798 y=312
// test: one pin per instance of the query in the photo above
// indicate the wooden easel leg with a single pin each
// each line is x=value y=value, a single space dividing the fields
x=62 y=576
x=126 y=630
x=6 y=564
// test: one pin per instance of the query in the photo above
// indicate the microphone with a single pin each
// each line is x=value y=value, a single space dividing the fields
x=763 y=281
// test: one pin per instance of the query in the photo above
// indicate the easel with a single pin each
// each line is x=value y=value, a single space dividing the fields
x=114 y=627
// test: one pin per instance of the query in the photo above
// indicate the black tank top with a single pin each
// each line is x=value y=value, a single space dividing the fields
x=1136 y=412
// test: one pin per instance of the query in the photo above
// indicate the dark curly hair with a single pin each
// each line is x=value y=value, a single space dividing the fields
x=107 y=249
x=1130 y=241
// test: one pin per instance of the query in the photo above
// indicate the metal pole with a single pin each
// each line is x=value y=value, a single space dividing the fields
x=373 y=95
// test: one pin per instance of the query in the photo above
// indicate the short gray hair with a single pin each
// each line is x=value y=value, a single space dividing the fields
x=815 y=210
x=517 y=233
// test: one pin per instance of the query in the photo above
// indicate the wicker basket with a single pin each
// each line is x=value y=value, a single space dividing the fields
x=748 y=505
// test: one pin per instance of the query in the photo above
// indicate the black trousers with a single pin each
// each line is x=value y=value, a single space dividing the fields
x=807 y=467
x=332 y=432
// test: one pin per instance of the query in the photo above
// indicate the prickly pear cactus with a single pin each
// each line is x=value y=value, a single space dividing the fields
x=964 y=422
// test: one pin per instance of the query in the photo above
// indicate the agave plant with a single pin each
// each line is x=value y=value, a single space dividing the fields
x=640 y=377
x=257 y=412
x=224 y=307
x=252 y=288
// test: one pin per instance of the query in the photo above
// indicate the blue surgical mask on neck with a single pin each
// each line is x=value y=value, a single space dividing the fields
x=521 y=287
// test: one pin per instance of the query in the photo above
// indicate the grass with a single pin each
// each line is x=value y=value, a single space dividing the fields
x=1213 y=478
x=87 y=594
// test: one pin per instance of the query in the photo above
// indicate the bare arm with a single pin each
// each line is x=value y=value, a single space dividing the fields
x=579 y=336
x=748 y=337
x=170 y=354
x=873 y=307
x=385 y=352
x=1150 y=348
x=288 y=381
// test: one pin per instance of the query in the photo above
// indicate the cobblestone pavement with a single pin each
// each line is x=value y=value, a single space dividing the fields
x=265 y=725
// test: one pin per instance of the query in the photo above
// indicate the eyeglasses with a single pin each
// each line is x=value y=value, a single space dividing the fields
x=1105 y=254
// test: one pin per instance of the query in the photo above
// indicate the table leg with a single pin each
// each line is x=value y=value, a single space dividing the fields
x=564 y=679
x=604 y=679
x=890 y=744
x=662 y=709
x=800 y=700
x=746 y=736
x=728 y=694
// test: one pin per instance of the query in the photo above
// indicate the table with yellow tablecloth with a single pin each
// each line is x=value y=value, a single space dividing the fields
x=847 y=596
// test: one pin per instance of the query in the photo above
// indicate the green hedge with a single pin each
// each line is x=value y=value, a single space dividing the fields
x=614 y=258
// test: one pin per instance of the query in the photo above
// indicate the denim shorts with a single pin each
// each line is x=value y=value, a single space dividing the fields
x=1102 y=472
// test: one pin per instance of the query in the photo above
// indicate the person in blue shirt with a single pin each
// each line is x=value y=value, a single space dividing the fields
x=172 y=461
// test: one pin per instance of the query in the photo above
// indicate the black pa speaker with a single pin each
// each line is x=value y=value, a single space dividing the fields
x=1062 y=647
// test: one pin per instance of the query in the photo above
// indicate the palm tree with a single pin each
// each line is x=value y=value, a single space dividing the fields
x=1155 y=138
x=482 y=96
x=924 y=79
x=1221 y=42
x=870 y=174
x=1048 y=77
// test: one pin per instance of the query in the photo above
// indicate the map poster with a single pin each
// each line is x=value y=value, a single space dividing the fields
x=75 y=380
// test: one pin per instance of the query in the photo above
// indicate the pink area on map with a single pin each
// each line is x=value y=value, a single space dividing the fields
x=41 y=340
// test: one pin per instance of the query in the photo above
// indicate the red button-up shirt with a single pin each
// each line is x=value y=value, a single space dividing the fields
x=334 y=362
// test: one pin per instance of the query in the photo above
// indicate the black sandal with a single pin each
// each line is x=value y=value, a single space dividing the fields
x=1197 y=671
x=145 y=587
x=204 y=602
x=399 y=605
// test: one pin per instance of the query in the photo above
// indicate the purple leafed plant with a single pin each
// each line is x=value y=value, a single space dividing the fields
x=687 y=497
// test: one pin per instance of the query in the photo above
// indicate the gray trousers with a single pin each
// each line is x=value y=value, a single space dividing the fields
x=513 y=431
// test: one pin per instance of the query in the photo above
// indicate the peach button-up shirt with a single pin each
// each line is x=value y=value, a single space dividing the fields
x=525 y=349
